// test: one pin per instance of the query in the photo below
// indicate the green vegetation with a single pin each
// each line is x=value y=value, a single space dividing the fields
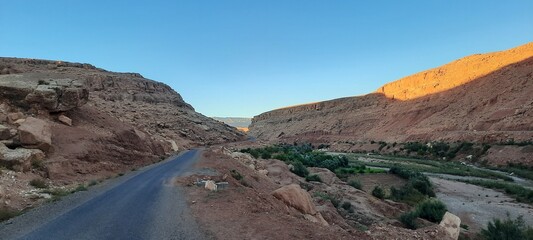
x=518 y=192
x=236 y=175
x=409 y=219
x=429 y=166
x=38 y=183
x=303 y=156
x=38 y=165
x=79 y=188
x=507 y=229
x=519 y=169
x=431 y=209
x=346 y=206
x=6 y=214
x=378 y=192
x=313 y=178
x=299 y=169
x=345 y=172
x=326 y=197
x=355 y=183
x=93 y=182
x=418 y=186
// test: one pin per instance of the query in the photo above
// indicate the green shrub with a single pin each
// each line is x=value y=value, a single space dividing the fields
x=378 y=192
x=355 y=183
x=406 y=194
x=431 y=209
x=507 y=229
x=266 y=155
x=335 y=201
x=409 y=219
x=313 y=178
x=346 y=205
x=299 y=169
x=93 y=182
x=6 y=214
x=235 y=174
x=79 y=188
x=38 y=183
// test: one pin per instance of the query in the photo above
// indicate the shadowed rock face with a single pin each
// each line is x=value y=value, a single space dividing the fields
x=485 y=97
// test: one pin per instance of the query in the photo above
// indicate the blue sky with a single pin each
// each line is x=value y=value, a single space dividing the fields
x=242 y=58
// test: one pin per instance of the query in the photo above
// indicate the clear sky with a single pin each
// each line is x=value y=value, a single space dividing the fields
x=242 y=58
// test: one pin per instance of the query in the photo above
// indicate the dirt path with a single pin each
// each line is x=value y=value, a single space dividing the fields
x=476 y=206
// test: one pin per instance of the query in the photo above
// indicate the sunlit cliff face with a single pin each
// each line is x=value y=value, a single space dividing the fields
x=454 y=74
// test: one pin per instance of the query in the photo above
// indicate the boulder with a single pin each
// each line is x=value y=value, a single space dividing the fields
x=19 y=159
x=327 y=176
x=263 y=171
x=293 y=195
x=211 y=185
x=35 y=133
x=173 y=145
x=452 y=225
x=13 y=117
x=65 y=120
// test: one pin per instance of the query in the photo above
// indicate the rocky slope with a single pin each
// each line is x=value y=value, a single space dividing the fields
x=71 y=121
x=480 y=98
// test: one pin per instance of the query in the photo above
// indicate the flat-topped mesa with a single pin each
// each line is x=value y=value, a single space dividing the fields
x=454 y=74
x=481 y=98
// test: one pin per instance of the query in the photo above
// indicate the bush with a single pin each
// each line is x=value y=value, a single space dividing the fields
x=432 y=210
x=409 y=219
x=355 y=183
x=79 y=188
x=313 y=178
x=235 y=174
x=6 y=214
x=38 y=183
x=507 y=229
x=346 y=205
x=378 y=192
x=299 y=169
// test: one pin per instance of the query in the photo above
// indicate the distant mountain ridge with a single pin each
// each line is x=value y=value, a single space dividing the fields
x=238 y=122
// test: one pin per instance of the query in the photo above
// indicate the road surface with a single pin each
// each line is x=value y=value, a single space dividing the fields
x=142 y=205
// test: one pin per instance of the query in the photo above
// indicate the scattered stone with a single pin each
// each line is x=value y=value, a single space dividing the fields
x=64 y=119
x=19 y=121
x=452 y=225
x=263 y=171
x=35 y=133
x=210 y=185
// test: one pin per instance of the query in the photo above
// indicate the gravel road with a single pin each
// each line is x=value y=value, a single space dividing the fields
x=140 y=205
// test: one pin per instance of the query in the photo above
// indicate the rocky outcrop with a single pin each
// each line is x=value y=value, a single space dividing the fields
x=293 y=195
x=54 y=95
x=481 y=98
x=452 y=225
x=19 y=159
x=90 y=121
x=35 y=133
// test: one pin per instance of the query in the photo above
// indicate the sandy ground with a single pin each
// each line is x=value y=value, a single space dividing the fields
x=476 y=206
